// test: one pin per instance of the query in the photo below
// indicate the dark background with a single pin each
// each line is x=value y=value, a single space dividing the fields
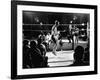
x=33 y=17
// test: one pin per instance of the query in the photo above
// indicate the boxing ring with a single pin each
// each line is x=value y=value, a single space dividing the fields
x=64 y=54
x=63 y=57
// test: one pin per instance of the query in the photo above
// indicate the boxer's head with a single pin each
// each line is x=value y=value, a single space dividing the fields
x=56 y=22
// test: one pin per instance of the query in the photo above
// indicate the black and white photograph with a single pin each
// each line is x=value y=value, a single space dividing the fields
x=55 y=39
x=51 y=39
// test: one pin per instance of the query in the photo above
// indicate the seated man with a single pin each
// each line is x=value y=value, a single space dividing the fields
x=42 y=49
x=26 y=60
x=78 y=56
x=36 y=57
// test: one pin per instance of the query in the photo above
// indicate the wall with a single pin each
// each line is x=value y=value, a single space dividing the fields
x=5 y=40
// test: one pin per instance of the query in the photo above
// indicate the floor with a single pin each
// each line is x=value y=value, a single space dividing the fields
x=64 y=57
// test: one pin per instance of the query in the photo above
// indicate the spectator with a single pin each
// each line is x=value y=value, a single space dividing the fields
x=35 y=55
x=37 y=60
x=41 y=38
x=47 y=41
x=26 y=60
x=78 y=56
x=87 y=54
x=42 y=48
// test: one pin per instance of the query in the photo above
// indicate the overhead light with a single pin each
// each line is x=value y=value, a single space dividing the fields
x=83 y=24
x=71 y=21
x=41 y=23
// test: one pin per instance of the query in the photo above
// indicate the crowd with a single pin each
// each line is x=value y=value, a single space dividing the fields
x=34 y=54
